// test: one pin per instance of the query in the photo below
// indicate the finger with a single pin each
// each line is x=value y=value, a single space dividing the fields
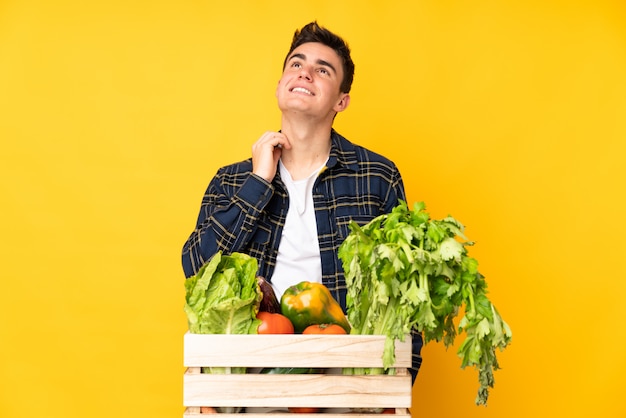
x=271 y=140
x=282 y=140
x=268 y=138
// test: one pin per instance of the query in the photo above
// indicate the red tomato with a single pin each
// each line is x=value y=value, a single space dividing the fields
x=274 y=323
x=207 y=410
x=324 y=329
x=302 y=410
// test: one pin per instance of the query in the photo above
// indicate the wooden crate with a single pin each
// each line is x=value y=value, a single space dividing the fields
x=275 y=392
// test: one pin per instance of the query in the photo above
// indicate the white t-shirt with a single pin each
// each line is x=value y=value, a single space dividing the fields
x=298 y=256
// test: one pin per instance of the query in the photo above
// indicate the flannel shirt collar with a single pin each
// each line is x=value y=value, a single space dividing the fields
x=342 y=152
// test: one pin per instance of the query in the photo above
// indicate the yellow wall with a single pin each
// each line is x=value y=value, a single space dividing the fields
x=511 y=116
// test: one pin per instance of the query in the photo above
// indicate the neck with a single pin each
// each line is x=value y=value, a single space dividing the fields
x=310 y=147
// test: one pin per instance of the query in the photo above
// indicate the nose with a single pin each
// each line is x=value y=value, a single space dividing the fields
x=305 y=73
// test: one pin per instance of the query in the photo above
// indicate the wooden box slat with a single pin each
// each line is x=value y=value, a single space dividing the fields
x=334 y=391
x=295 y=350
x=304 y=390
x=193 y=412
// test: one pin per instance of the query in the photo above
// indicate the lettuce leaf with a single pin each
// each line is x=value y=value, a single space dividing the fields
x=224 y=296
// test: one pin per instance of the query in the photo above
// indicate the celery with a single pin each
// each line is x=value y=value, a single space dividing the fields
x=406 y=272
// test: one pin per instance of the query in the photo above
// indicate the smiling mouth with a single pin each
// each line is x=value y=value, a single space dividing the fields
x=301 y=90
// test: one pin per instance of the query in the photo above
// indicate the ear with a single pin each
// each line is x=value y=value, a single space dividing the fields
x=344 y=101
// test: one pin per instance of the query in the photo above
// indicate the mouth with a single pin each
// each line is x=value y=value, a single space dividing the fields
x=301 y=90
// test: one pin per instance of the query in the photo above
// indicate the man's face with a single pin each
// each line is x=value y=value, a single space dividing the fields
x=311 y=82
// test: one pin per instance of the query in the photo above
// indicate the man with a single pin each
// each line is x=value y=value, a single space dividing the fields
x=290 y=204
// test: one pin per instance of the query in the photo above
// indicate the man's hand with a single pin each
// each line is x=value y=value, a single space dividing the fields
x=266 y=152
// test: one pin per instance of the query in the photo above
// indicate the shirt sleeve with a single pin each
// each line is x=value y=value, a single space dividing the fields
x=417 y=342
x=227 y=219
x=396 y=191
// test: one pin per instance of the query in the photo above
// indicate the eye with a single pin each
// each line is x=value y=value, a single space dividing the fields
x=295 y=64
x=323 y=71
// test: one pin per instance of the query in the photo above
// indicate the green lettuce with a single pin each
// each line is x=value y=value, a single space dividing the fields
x=223 y=297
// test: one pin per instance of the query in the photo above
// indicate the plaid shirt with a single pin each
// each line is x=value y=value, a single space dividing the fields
x=241 y=212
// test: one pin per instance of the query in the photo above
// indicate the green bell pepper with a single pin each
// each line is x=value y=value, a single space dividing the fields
x=309 y=303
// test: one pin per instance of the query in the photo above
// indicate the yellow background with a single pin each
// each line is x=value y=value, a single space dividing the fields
x=510 y=116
